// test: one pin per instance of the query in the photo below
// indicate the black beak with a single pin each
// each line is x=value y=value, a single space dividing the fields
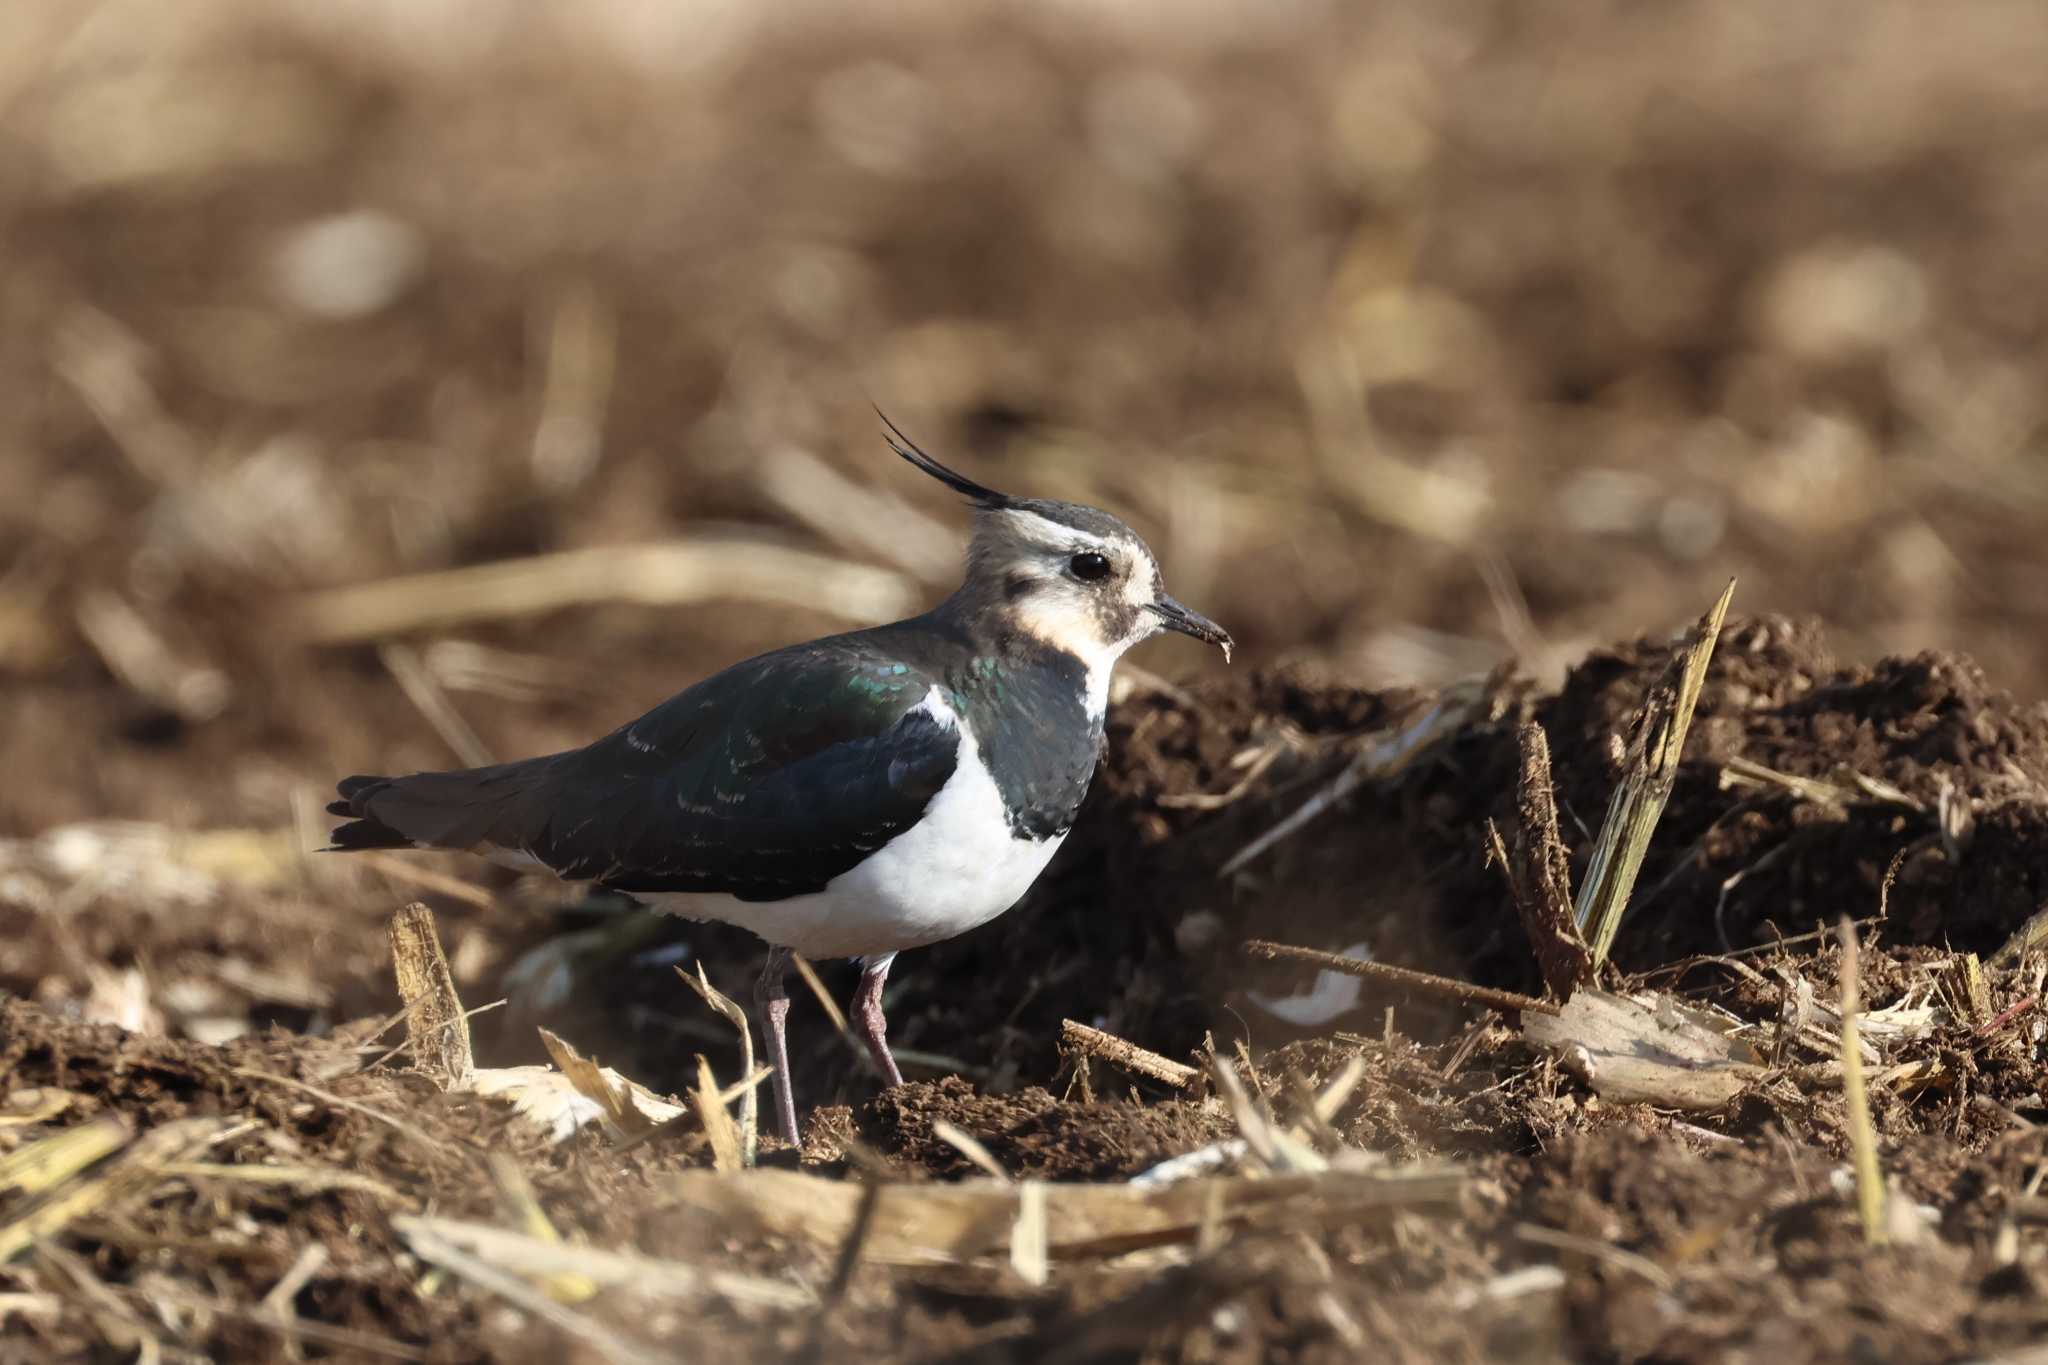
x=1188 y=622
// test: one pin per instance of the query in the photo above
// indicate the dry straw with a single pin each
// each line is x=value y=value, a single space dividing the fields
x=1645 y=786
x=1870 y=1192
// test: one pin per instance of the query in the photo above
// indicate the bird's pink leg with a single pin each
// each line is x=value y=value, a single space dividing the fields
x=771 y=1004
x=867 y=1015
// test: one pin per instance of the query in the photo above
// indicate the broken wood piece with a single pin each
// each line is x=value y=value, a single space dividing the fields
x=1539 y=871
x=1423 y=983
x=1652 y=768
x=1093 y=1042
x=436 y=1029
x=1647 y=1050
x=926 y=1223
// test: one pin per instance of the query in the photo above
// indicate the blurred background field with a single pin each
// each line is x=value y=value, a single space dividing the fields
x=1418 y=336
x=1414 y=334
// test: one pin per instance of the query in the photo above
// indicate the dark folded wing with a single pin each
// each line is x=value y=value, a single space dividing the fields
x=763 y=782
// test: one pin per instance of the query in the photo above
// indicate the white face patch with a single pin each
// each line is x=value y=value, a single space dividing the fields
x=1052 y=614
x=1045 y=532
x=1095 y=621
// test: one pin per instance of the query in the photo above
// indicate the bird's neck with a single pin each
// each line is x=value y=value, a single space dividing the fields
x=1002 y=664
x=996 y=630
x=1035 y=713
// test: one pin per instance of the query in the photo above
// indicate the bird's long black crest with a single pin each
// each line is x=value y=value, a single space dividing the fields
x=959 y=483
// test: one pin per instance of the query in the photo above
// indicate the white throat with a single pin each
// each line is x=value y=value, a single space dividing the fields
x=1099 y=671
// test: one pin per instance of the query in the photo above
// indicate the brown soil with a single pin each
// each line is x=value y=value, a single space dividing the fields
x=1748 y=1245
x=1417 y=337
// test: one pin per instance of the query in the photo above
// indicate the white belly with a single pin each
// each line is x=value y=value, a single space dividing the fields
x=957 y=868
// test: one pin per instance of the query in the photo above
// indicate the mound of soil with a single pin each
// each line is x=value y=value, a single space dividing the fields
x=1402 y=865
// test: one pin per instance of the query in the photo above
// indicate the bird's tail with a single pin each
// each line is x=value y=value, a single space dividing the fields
x=503 y=806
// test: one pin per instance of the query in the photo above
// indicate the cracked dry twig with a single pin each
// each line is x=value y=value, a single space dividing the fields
x=1539 y=871
x=1423 y=983
x=1078 y=1037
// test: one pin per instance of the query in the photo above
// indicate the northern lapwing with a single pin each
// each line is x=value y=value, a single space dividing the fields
x=850 y=797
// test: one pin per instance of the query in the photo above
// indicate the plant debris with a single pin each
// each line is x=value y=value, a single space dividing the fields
x=1581 y=1157
x=1650 y=1050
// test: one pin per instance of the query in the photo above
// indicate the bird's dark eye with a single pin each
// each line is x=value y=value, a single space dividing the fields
x=1088 y=566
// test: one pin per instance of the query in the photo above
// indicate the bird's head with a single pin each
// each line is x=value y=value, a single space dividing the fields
x=1073 y=577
